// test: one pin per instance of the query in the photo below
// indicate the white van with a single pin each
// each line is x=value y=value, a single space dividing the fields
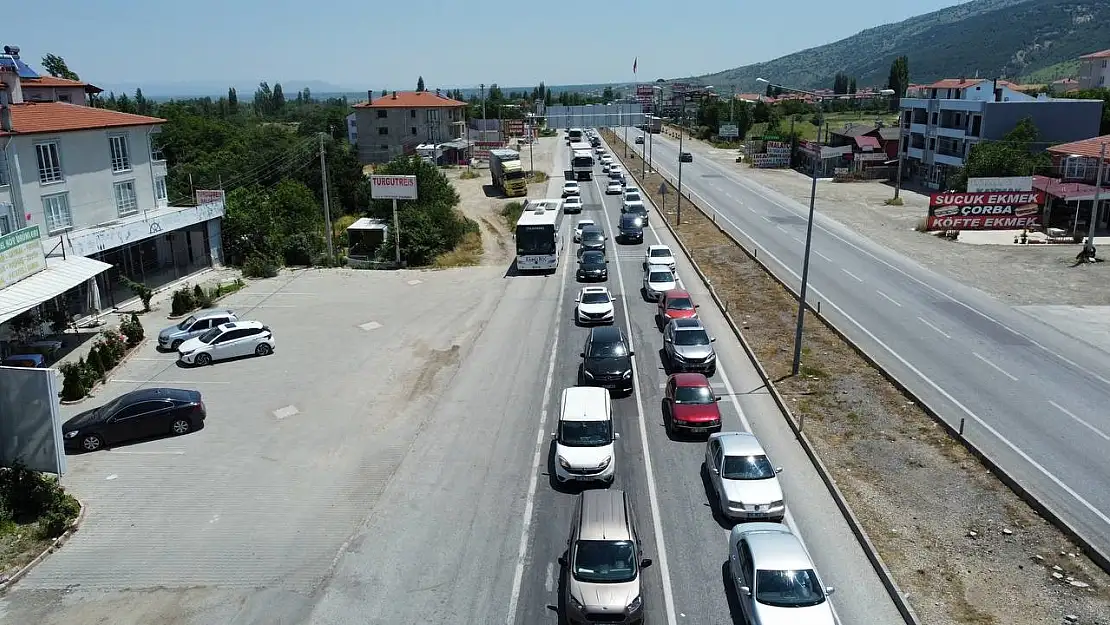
x=585 y=440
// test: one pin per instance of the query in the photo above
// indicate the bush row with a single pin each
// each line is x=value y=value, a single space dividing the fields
x=78 y=378
x=27 y=496
x=186 y=300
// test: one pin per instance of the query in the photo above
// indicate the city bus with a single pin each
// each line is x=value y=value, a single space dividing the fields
x=574 y=135
x=539 y=237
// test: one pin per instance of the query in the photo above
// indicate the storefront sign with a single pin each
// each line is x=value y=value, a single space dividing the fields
x=208 y=196
x=985 y=211
x=89 y=241
x=21 y=255
x=385 y=187
x=1009 y=183
x=728 y=131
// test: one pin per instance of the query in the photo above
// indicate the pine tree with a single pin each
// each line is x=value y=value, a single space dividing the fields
x=420 y=83
x=232 y=100
x=278 y=98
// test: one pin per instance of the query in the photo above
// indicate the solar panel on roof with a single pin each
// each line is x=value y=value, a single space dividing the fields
x=20 y=67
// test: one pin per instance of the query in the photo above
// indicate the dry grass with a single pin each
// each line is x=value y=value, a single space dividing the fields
x=19 y=544
x=917 y=491
x=467 y=253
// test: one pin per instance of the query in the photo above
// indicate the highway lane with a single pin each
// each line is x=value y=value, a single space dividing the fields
x=1033 y=397
x=694 y=541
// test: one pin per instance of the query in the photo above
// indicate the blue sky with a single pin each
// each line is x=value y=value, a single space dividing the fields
x=359 y=44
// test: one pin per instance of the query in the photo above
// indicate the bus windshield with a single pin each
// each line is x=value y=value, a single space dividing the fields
x=582 y=161
x=531 y=240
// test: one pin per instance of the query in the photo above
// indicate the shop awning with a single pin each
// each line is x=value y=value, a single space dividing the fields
x=60 y=275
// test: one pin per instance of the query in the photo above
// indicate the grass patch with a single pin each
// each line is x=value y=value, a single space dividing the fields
x=537 y=177
x=894 y=201
x=34 y=510
x=467 y=253
x=469 y=174
x=511 y=213
x=835 y=121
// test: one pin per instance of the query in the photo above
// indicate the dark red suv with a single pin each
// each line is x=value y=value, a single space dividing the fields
x=689 y=405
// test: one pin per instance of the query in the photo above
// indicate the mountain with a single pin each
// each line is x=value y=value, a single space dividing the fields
x=988 y=38
x=215 y=88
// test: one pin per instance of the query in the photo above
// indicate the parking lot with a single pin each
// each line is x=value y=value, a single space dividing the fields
x=296 y=449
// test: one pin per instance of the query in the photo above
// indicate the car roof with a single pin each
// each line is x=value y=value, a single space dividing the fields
x=239 y=325
x=604 y=515
x=144 y=394
x=212 y=312
x=658 y=247
x=586 y=221
x=739 y=443
x=585 y=403
x=677 y=293
x=594 y=289
x=774 y=549
x=687 y=324
x=659 y=269
x=691 y=380
x=606 y=334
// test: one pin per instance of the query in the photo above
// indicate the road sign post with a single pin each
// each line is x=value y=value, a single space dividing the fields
x=386 y=187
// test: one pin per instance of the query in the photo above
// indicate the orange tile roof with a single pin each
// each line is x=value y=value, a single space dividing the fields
x=1104 y=54
x=40 y=117
x=411 y=100
x=955 y=83
x=53 y=81
x=1086 y=147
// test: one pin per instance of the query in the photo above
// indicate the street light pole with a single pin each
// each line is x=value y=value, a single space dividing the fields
x=805 y=266
x=901 y=140
x=1089 y=248
x=678 y=207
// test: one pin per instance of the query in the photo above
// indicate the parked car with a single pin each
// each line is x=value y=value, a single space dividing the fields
x=594 y=304
x=582 y=224
x=140 y=414
x=686 y=157
x=744 y=481
x=606 y=360
x=774 y=579
x=688 y=347
x=573 y=204
x=193 y=326
x=689 y=404
x=570 y=187
x=675 y=304
x=659 y=255
x=230 y=340
x=592 y=265
x=657 y=281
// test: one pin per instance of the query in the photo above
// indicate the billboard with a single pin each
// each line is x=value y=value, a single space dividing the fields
x=1010 y=183
x=30 y=426
x=386 y=187
x=21 y=255
x=481 y=148
x=209 y=196
x=595 y=116
x=1007 y=210
x=513 y=127
x=728 y=131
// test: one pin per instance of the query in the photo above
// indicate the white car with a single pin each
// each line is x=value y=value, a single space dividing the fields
x=632 y=193
x=606 y=159
x=594 y=305
x=615 y=169
x=659 y=256
x=614 y=187
x=573 y=204
x=582 y=223
x=745 y=483
x=605 y=167
x=774 y=579
x=230 y=340
x=657 y=281
x=570 y=187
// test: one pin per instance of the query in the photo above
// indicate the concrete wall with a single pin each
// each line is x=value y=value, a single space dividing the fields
x=1094 y=73
x=73 y=95
x=1057 y=121
x=405 y=127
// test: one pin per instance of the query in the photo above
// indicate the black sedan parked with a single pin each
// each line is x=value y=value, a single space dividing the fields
x=140 y=414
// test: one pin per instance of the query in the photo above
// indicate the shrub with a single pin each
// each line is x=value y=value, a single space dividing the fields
x=260 y=266
x=133 y=330
x=113 y=345
x=142 y=291
x=89 y=375
x=74 y=375
x=30 y=495
x=302 y=248
x=182 y=302
x=469 y=174
x=95 y=362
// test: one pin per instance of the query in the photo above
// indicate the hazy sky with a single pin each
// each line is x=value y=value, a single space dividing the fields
x=365 y=44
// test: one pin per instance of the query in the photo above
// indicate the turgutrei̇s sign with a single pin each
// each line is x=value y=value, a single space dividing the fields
x=21 y=255
x=1002 y=210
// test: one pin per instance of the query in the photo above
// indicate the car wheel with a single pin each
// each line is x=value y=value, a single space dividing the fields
x=92 y=442
x=263 y=349
x=203 y=360
x=180 y=426
x=175 y=345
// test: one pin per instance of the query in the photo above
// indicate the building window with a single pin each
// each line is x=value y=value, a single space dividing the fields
x=160 y=193
x=383 y=130
x=121 y=158
x=433 y=115
x=1075 y=167
x=56 y=209
x=64 y=97
x=8 y=221
x=382 y=114
x=3 y=169
x=156 y=148
x=50 y=165
x=414 y=130
x=126 y=201
x=412 y=113
x=383 y=147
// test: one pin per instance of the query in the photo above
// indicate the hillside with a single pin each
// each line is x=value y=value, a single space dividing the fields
x=991 y=38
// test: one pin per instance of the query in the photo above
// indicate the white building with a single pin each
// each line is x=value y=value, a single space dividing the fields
x=1094 y=71
x=90 y=185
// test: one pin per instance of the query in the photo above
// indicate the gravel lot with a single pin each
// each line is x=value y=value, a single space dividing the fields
x=1017 y=274
x=965 y=548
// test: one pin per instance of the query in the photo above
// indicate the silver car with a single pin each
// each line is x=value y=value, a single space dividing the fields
x=657 y=281
x=744 y=481
x=688 y=347
x=774 y=579
x=193 y=326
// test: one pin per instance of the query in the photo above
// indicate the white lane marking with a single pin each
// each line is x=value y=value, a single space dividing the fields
x=549 y=577
x=782 y=229
x=111 y=477
x=994 y=366
x=286 y=412
x=653 y=496
x=858 y=279
x=939 y=331
x=1080 y=421
x=763 y=217
x=796 y=239
x=826 y=258
x=414 y=282
x=215 y=517
x=533 y=478
x=370 y=325
x=929 y=381
x=145 y=453
x=888 y=298
x=186 y=382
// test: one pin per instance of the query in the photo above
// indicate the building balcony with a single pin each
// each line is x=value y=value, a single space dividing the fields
x=955 y=133
x=948 y=159
x=915 y=153
x=917 y=128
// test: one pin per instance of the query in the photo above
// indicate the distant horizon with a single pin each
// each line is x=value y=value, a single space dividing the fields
x=201 y=89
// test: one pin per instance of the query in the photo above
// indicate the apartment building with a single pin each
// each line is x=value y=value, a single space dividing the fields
x=393 y=125
x=1094 y=70
x=950 y=116
x=84 y=203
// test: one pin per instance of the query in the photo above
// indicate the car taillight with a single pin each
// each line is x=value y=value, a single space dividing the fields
x=199 y=407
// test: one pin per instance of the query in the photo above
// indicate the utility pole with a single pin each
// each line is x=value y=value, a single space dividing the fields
x=732 y=106
x=1089 y=248
x=483 y=88
x=805 y=262
x=624 y=122
x=678 y=206
x=328 y=235
x=901 y=151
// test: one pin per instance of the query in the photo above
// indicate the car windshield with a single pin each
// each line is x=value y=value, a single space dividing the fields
x=186 y=323
x=595 y=298
x=693 y=395
x=607 y=350
x=788 y=589
x=584 y=224
x=660 y=276
x=660 y=253
x=585 y=433
x=691 y=337
x=592 y=258
x=570 y=185
x=747 y=468
x=680 y=303
x=592 y=235
x=605 y=561
x=632 y=197
x=209 y=335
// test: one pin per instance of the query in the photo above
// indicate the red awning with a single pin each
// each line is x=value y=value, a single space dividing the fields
x=1067 y=191
x=864 y=142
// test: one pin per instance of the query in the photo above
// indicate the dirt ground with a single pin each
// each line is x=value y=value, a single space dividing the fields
x=962 y=546
x=481 y=202
x=1034 y=274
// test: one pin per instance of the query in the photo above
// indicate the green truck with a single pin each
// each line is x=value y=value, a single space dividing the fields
x=507 y=174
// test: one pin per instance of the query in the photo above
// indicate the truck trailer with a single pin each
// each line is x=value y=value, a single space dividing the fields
x=507 y=173
x=582 y=161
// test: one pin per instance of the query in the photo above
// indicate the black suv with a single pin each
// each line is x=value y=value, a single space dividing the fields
x=607 y=360
x=592 y=239
x=686 y=157
x=592 y=265
x=632 y=228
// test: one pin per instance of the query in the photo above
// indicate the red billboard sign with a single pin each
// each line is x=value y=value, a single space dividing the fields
x=985 y=211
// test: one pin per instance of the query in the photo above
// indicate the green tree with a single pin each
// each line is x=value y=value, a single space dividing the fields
x=263 y=99
x=899 y=79
x=852 y=85
x=420 y=83
x=277 y=98
x=607 y=94
x=430 y=225
x=232 y=100
x=142 y=105
x=1013 y=155
x=306 y=95
x=56 y=67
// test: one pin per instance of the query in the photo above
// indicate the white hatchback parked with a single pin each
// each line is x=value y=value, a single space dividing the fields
x=230 y=340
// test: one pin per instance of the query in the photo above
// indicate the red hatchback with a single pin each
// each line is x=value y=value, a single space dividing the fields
x=689 y=405
x=676 y=304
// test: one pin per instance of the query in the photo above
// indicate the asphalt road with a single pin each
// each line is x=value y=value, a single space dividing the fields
x=1033 y=398
x=688 y=544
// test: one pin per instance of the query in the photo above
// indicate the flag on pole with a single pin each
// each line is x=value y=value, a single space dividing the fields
x=634 y=62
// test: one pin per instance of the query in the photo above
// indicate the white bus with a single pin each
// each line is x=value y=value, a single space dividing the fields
x=539 y=239
x=574 y=135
